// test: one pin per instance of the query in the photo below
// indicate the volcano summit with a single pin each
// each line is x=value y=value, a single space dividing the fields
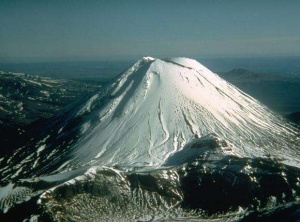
x=151 y=134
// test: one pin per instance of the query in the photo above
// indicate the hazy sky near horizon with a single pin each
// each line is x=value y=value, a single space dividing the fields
x=120 y=29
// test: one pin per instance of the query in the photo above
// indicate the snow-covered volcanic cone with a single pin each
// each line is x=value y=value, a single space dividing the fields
x=152 y=143
x=157 y=106
x=149 y=112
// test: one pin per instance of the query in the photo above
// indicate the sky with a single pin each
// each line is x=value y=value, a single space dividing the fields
x=62 y=30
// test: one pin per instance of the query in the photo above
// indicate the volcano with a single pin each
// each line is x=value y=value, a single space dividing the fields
x=145 y=127
x=156 y=107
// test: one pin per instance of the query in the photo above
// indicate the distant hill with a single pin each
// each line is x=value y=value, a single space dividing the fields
x=27 y=100
x=294 y=117
x=281 y=93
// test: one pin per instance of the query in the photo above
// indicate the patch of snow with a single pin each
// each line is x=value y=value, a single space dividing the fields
x=60 y=130
x=33 y=82
x=4 y=191
x=34 y=218
x=88 y=105
x=46 y=93
x=85 y=127
x=40 y=149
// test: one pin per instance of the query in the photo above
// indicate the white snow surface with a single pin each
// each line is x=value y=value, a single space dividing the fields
x=158 y=106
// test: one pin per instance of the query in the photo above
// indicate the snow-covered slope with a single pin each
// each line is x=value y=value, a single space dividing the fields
x=157 y=106
x=149 y=113
x=158 y=138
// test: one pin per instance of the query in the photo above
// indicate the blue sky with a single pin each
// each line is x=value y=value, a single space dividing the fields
x=113 y=30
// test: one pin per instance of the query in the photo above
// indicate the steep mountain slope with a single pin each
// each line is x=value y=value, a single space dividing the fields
x=161 y=132
x=150 y=112
x=157 y=106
